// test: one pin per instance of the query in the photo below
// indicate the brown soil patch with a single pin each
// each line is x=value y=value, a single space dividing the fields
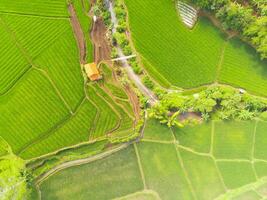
x=78 y=33
x=102 y=49
x=134 y=101
x=189 y=115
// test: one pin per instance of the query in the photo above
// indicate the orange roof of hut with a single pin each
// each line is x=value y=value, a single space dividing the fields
x=92 y=71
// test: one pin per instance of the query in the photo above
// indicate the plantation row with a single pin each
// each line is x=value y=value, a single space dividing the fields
x=50 y=107
x=209 y=161
x=191 y=58
x=37 y=7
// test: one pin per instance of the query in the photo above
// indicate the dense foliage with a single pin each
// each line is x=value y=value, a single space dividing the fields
x=248 y=19
x=216 y=102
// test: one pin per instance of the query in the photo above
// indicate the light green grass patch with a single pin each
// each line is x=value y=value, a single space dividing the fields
x=249 y=195
x=37 y=7
x=13 y=63
x=261 y=141
x=111 y=177
x=63 y=67
x=236 y=174
x=156 y=131
x=73 y=131
x=186 y=58
x=35 y=34
x=144 y=195
x=261 y=169
x=203 y=175
x=262 y=190
x=242 y=67
x=163 y=173
x=196 y=137
x=233 y=139
x=30 y=109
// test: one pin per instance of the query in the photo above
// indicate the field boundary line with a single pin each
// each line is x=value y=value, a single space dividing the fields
x=157 y=141
x=16 y=81
x=149 y=191
x=193 y=151
x=219 y=173
x=212 y=136
x=78 y=162
x=49 y=132
x=180 y=160
x=55 y=88
x=253 y=150
x=54 y=17
x=221 y=60
x=140 y=166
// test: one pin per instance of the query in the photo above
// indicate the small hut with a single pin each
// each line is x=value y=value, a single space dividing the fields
x=92 y=71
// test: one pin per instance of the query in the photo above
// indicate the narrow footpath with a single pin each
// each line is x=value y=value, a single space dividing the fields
x=135 y=78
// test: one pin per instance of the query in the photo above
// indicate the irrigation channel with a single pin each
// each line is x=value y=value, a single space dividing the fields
x=135 y=78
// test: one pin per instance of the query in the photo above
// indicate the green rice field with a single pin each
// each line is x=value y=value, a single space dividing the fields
x=171 y=166
x=45 y=103
x=174 y=55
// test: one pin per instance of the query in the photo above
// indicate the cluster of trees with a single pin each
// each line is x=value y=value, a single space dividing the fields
x=216 y=102
x=248 y=18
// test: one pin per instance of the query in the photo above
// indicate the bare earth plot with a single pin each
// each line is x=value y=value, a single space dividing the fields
x=45 y=102
x=179 y=168
x=177 y=56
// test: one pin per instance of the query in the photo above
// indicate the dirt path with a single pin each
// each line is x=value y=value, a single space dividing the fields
x=102 y=50
x=79 y=162
x=134 y=102
x=77 y=29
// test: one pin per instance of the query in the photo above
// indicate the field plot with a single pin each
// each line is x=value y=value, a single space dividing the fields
x=45 y=102
x=186 y=58
x=13 y=63
x=174 y=55
x=37 y=7
x=177 y=169
x=108 y=178
x=243 y=68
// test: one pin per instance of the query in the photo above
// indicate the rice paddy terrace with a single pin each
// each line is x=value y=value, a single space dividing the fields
x=175 y=55
x=46 y=104
x=217 y=160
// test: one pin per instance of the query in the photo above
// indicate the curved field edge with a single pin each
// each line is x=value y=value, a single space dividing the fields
x=44 y=104
x=169 y=161
x=183 y=57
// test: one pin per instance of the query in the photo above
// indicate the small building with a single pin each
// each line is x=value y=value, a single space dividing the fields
x=92 y=71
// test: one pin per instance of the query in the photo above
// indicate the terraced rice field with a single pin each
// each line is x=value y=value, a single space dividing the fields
x=177 y=164
x=45 y=103
x=176 y=56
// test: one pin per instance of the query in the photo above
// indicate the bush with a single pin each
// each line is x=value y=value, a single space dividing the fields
x=147 y=82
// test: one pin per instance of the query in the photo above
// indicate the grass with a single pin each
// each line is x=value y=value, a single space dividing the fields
x=36 y=99
x=51 y=8
x=63 y=68
x=185 y=170
x=75 y=130
x=102 y=179
x=243 y=68
x=35 y=34
x=183 y=57
x=250 y=195
x=203 y=174
x=162 y=171
x=13 y=63
x=236 y=174
x=157 y=131
x=196 y=137
x=261 y=141
x=174 y=55
x=261 y=169
x=233 y=139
